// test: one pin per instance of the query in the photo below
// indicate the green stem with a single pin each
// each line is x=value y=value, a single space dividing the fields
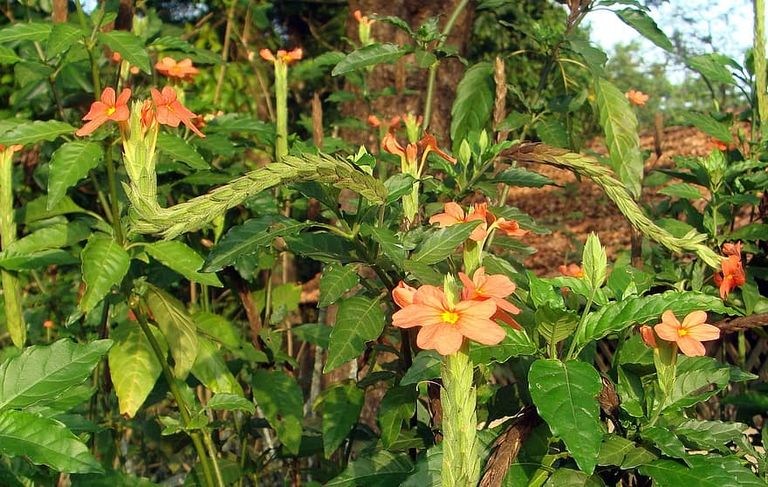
x=212 y=452
x=760 y=67
x=572 y=348
x=114 y=202
x=281 y=107
x=461 y=461
x=11 y=287
x=178 y=396
x=433 y=68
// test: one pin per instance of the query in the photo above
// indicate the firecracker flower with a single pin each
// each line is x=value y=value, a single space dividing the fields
x=637 y=98
x=13 y=148
x=105 y=109
x=730 y=248
x=283 y=56
x=169 y=111
x=496 y=288
x=362 y=19
x=689 y=334
x=648 y=336
x=571 y=270
x=454 y=213
x=182 y=70
x=444 y=325
x=732 y=275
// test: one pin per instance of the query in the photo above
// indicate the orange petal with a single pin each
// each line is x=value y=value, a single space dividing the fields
x=499 y=286
x=446 y=339
x=506 y=305
x=691 y=347
x=431 y=296
x=108 y=96
x=704 y=332
x=91 y=126
x=483 y=331
x=694 y=318
x=669 y=318
x=476 y=309
x=416 y=315
x=667 y=332
x=444 y=220
x=403 y=294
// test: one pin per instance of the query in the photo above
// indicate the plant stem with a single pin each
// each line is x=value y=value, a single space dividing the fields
x=177 y=395
x=433 y=68
x=760 y=67
x=461 y=462
x=281 y=109
x=114 y=203
x=11 y=288
x=572 y=349
x=225 y=52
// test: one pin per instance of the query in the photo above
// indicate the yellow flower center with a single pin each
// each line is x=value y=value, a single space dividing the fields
x=682 y=332
x=111 y=110
x=450 y=317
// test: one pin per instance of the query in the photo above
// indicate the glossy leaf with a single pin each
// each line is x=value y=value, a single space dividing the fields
x=443 y=242
x=517 y=176
x=133 y=366
x=42 y=373
x=473 y=104
x=516 y=344
x=566 y=477
x=565 y=396
x=37 y=131
x=130 y=47
x=595 y=262
x=398 y=405
x=368 y=56
x=8 y=56
x=620 y=127
x=44 y=441
x=342 y=404
x=51 y=237
x=665 y=440
x=62 y=37
x=178 y=149
x=358 y=321
x=281 y=400
x=703 y=472
x=709 y=126
x=715 y=435
x=178 y=329
x=182 y=259
x=335 y=281
x=694 y=377
x=104 y=263
x=382 y=469
x=426 y=365
x=645 y=25
x=211 y=369
x=230 y=402
x=712 y=66
x=23 y=31
x=69 y=164
x=389 y=244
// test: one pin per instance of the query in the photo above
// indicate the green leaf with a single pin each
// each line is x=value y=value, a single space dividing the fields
x=43 y=373
x=693 y=381
x=279 y=397
x=704 y=471
x=247 y=239
x=22 y=31
x=182 y=259
x=33 y=132
x=55 y=236
x=8 y=56
x=566 y=477
x=69 y=164
x=211 y=370
x=751 y=232
x=315 y=333
x=178 y=329
x=473 y=104
x=620 y=127
x=369 y=56
x=617 y=316
x=382 y=469
x=358 y=321
x=552 y=132
x=133 y=366
x=682 y=190
x=515 y=344
x=709 y=126
x=593 y=56
x=555 y=324
x=714 y=435
x=36 y=260
x=178 y=149
x=665 y=440
x=565 y=396
x=230 y=402
x=614 y=449
x=517 y=176
x=341 y=407
x=389 y=244
x=425 y=366
x=61 y=39
x=645 y=25
x=218 y=329
x=44 y=441
x=397 y=186
x=712 y=66
x=595 y=262
x=398 y=405
x=442 y=242
x=335 y=281
x=104 y=263
x=129 y=46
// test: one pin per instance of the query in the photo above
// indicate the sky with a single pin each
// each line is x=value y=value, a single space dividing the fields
x=729 y=22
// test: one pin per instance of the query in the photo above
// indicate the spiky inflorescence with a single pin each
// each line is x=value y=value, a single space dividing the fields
x=603 y=176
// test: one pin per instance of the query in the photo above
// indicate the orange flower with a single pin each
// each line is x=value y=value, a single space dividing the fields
x=731 y=277
x=646 y=333
x=428 y=144
x=48 y=324
x=455 y=214
x=495 y=288
x=403 y=294
x=108 y=108
x=183 y=70
x=282 y=55
x=147 y=114
x=510 y=227
x=374 y=121
x=362 y=19
x=637 y=98
x=13 y=148
x=572 y=270
x=170 y=111
x=689 y=334
x=730 y=248
x=116 y=57
x=444 y=325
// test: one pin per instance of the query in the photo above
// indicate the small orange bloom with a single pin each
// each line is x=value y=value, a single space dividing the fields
x=637 y=98
x=495 y=288
x=183 y=70
x=108 y=108
x=116 y=57
x=444 y=325
x=730 y=248
x=732 y=275
x=428 y=144
x=689 y=334
x=48 y=324
x=374 y=121
x=13 y=148
x=455 y=214
x=646 y=333
x=510 y=227
x=403 y=294
x=362 y=19
x=170 y=111
x=572 y=270
x=282 y=55
x=147 y=114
